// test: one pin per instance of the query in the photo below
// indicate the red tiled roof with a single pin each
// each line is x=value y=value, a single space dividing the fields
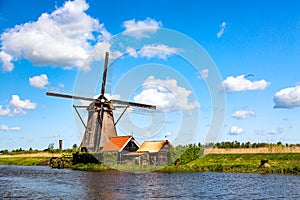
x=116 y=143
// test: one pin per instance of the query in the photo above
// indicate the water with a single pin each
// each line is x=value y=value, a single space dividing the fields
x=18 y=182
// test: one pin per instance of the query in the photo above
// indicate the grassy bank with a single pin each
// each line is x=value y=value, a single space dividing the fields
x=282 y=163
x=279 y=163
x=24 y=161
x=29 y=159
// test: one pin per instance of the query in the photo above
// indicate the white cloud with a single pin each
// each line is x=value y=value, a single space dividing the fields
x=4 y=112
x=287 y=98
x=108 y=96
x=141 y=29
x=222 y=28
x=6 y=128
x=62 y=38
x=12 y=113
x=242 y=114
x=132 y=52
x=166 y=95
x=276 y=131
x=16 y=107
x=18 y=103
x=153 y=50
x=203 y=74
x=234 y=130
x=6 y=60
x=39 y=81
x=17 y=112
x=240 y=83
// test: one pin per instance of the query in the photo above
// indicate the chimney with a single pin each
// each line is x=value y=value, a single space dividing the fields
x=60 y=145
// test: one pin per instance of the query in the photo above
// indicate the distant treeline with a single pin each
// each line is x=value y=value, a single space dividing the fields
x=236 y=144
x=50 y=149
x=193 y=150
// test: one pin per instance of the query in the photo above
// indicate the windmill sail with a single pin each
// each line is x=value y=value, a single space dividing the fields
x=100 y=127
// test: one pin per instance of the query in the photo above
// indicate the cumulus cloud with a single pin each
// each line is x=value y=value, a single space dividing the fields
x=17 y=112
x=141 y=29
x=67 y=37
x=39 y=81
x=6 y=60
x=4 y=112
x=6 y=128
x=203 y=74
x=165 y=94
x=276 y=131
x=222 y=28
x=18 y=103
x=11 y=113
x=17 y=107
x=132 y=52
x=287 y=97
x=242 y=114
x=234 y=130
x=161 y=51
x=240 y=83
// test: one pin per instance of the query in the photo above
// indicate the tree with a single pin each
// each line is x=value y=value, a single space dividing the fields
x=51 y=147
x=75 y=146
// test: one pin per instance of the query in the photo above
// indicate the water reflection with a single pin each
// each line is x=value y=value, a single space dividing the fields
x=46 y=183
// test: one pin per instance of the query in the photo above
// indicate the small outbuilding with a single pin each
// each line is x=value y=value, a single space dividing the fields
x=120 y=145
x=157 y=152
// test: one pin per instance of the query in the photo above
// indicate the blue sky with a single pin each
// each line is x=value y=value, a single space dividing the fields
x=61 y=45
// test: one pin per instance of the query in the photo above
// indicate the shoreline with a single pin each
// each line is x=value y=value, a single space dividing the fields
x=277 y=163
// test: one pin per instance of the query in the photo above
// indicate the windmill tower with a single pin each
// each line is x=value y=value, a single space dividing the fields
x=100 y=126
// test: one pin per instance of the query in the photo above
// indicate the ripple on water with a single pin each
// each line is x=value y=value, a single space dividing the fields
x=17 y=182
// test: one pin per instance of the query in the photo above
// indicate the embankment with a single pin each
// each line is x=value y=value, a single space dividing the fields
x=280 y=163
x=41 y=158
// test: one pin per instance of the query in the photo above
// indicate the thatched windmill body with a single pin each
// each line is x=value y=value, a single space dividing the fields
x=100 y=126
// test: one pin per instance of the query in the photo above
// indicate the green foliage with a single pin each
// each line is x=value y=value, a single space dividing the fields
x=90 y=167
x=51 y=147
x=185 y=154
x=110 y=158
x=279 y=163
x=5 y=151
x=84 y=158
x=236 y=144
x=74 y=148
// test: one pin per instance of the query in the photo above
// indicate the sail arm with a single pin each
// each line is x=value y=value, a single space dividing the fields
x=69 y=96
x=140 y=105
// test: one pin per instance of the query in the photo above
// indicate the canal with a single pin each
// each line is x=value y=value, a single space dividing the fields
x=20 y=182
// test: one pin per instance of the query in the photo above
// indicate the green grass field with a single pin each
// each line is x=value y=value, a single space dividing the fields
x=279 y=163
x=24 y=161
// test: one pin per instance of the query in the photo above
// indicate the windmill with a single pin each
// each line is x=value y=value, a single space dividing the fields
x=100 y=126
